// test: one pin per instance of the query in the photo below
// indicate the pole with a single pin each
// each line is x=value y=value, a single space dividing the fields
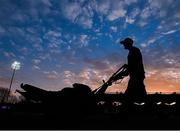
x=9 y=90
x=11 y=83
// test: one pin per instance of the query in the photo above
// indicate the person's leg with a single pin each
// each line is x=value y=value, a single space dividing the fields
x=136 y=89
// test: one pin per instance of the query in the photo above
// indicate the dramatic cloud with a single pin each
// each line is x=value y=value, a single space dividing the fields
x=169 y=32
x=67 y=41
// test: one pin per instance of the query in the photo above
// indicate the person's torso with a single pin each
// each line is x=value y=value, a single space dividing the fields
x=135 y=63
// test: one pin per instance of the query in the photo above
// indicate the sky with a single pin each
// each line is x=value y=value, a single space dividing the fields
x=60 y=42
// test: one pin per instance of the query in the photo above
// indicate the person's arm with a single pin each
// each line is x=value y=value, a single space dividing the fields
x=123 y=73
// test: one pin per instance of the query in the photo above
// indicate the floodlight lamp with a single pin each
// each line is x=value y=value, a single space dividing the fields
x=16 y=65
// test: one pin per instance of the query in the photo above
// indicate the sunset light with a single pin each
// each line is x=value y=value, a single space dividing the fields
x=90 y=64
x=63 y=42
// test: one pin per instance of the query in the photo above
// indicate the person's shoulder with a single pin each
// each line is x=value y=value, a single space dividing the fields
x=135 y=48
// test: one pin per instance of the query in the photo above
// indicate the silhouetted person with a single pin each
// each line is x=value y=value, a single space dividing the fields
x=135 y=68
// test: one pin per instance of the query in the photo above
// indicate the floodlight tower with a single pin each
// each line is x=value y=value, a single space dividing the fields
x=15 y=66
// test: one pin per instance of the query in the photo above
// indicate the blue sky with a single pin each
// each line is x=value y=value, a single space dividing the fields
x=60 y=42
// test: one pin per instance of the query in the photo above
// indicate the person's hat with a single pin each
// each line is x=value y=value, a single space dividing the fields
x=126 y=41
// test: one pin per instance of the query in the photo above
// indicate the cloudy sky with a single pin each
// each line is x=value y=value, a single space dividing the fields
x=59 y=42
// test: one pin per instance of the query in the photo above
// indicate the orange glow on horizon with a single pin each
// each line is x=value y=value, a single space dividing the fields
x=152 y=86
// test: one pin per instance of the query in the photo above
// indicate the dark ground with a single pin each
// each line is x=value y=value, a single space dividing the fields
x=105 y=118
x=79 y=108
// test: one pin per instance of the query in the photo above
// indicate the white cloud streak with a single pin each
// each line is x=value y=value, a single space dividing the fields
x=170 y=32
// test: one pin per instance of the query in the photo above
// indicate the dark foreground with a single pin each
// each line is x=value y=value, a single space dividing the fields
x=78 y=107
x=117 y=116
